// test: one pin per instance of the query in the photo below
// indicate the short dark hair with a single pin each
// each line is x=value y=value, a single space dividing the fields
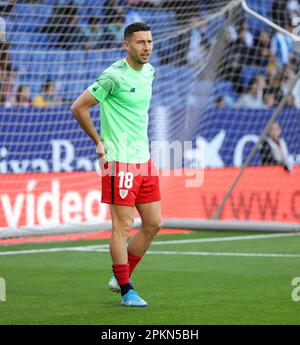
x=120 y=17
x=135 y=27
x=269 y=91
x=252 y=81
x=93 y=20
x=47 y=84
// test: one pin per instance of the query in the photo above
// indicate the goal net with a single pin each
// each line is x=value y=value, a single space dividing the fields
x=221 y=74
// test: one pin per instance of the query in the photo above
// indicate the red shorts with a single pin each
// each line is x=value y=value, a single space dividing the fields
x=129 y=184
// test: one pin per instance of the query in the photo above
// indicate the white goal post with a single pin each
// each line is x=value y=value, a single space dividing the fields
x=270 y=23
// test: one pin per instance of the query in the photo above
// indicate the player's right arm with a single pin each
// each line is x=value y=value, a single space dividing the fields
x=80 y=109
x=102 y=87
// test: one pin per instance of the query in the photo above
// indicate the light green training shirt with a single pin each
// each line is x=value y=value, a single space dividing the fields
x=124 y=95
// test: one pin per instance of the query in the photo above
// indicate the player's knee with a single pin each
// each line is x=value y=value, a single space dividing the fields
x=159 y=225
x=153 y=228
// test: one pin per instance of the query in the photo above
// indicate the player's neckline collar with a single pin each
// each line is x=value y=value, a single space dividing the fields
x=131 y=68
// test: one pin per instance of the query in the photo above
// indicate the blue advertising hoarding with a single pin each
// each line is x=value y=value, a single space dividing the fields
x=51 y=140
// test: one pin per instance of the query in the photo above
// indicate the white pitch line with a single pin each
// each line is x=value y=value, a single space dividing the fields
x=58 y=249
x=229 y=238
x=167 y=252
x=103 y=247
x=270 y=255
x=106 y=250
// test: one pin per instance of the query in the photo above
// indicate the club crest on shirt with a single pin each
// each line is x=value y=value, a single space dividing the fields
x=123 y=193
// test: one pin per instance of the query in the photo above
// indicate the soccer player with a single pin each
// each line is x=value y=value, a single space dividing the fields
x=129 y=178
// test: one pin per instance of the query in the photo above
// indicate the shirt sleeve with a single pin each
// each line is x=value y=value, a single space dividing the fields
x=105 y=85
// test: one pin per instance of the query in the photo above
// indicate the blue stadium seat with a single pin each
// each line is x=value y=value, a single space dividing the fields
x=20 y=57
x=57 y=55
x=165 y=72
x=29 y=17
x=19 y=38
x=159 y=21
x=224 y=88
x=94 y=56
x=73 y=88
x=94 y=63
x=74 y=61
x=35 y=83
x=63 y=2
x=30 y=39
x=184 y=74
x=110 y=57
x=39 y=56
x=261 y=7
x=255 y=25
x=9 y=24
x=248 y=72
x=40 y=41
x=77 y=56
x=49 y=2
x=36 y=89
x=47 y=63
x=22 y=9
x=94 y=70
x=154 y=59
x=167 y=49
x=88 y=3
x=87 y=8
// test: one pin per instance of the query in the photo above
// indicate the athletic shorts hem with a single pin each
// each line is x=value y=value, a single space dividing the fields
x=146 y=202
x=117 y=203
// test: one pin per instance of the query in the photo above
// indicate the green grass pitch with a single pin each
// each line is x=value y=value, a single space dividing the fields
x=184 y=282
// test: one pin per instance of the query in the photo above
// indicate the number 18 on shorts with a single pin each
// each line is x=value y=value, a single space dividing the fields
x=128 y=184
